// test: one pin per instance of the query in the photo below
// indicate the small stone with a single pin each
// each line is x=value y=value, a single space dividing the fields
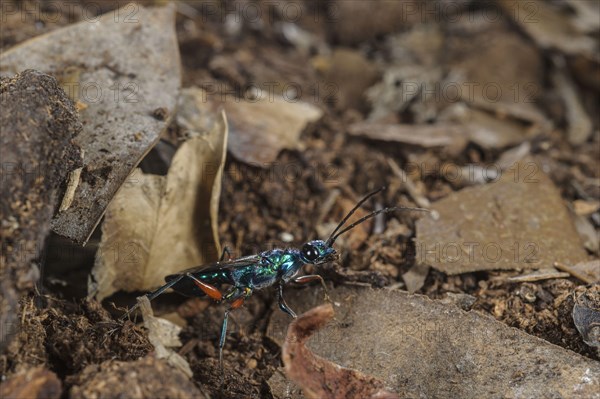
x=251 y=363
x=286 y=237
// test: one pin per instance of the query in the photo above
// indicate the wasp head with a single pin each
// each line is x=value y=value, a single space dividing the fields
x=317 y=252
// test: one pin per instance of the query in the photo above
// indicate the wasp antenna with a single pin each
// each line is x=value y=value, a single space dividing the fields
x=345 y=219
x=332 y=239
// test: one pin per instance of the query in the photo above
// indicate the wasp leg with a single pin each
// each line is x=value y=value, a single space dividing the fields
x=210 y=290
x=154 y=294
x=313 y=277
x=225 y=251
x=237 y=296
x=222 y=339
x=282 y=305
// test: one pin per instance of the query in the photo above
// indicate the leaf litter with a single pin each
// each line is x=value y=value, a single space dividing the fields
x=262 y=127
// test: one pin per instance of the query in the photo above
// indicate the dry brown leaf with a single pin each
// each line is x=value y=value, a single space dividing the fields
x=261 y=129
x=587 y=271
x=158 y=225
x=318 y=377
x=415 y=277
x=588 y=234
x=550 y=28
x=120 y=68
x=580 y=125
x=585 y=208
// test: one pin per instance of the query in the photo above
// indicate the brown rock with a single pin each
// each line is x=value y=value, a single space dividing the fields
x=517 y=222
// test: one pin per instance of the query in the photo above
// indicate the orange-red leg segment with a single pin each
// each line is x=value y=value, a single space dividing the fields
x=210 y=290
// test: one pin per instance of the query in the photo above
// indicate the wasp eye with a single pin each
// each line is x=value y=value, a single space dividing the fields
x=310 y=252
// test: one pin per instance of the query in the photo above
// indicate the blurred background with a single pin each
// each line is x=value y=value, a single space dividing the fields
x=328 y=100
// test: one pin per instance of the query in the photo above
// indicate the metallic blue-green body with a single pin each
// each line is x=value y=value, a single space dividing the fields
x=254 y=272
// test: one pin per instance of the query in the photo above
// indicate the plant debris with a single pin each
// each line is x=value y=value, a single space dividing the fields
x=35 y=383
x=586 y=315
x=477 y=90
x=147 y=377
x=588 y=272
x=164 y=335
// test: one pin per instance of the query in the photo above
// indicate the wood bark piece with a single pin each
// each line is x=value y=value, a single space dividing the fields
x=39 y=124
x=517 y=222
x=122 y=67
x=423 y=348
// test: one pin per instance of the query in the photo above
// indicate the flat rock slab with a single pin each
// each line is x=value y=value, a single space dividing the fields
x=423 y=348
x=517 y=222
x=123 y=69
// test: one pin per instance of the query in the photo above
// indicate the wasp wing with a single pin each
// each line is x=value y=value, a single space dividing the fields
x=216 y=273
x=216 y=266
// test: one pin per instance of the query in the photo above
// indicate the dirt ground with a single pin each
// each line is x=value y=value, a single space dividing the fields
x=66 y=333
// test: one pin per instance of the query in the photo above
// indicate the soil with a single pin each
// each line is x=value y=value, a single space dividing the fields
x=67 y=333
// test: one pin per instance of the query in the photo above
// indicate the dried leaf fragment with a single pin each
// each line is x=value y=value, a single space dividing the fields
x=587 y=271
x=318 y=377
x=549 y=28
x=261 y=129
x=163 y=335
x=147 y=377
x=158 y=225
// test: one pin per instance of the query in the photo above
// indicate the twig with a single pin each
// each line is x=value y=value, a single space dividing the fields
x=410 y=187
